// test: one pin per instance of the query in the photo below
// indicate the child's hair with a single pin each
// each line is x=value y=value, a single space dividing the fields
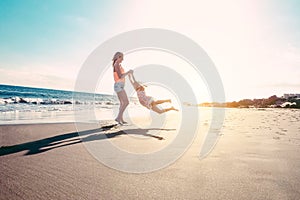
x=138 y=85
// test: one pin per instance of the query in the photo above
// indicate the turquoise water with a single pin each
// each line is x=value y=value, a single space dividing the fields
x=16 y=98
x=38 y=105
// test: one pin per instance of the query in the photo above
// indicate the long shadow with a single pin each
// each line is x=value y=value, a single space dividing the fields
x=137 y=131
x=43 y=145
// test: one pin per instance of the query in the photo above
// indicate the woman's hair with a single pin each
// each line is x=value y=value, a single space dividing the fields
x=116 y=56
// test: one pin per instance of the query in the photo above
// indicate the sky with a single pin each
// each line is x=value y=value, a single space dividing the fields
x=254 y=44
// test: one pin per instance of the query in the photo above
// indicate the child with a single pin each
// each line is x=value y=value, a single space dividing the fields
x=148 y=101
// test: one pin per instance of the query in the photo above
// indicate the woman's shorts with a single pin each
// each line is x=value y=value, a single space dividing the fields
x=119 y=86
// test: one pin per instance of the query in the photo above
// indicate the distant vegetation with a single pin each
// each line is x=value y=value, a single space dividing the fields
x=271 y=102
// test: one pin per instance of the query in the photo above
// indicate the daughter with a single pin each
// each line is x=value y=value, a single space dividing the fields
x=148 y=101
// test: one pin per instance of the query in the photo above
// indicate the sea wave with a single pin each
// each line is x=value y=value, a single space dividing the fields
x=23 y=99
x=40 y=101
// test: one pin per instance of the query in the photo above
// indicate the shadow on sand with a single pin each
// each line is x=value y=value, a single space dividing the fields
x=67 y=139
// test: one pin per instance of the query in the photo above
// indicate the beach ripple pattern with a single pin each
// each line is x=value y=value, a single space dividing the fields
x=160 y=40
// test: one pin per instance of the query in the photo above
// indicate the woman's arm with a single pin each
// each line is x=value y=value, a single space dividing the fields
x=118 y=70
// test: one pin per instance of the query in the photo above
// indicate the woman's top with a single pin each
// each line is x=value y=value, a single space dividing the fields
x=116 y=77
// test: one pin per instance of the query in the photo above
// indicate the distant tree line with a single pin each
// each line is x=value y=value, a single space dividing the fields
x=272 y=101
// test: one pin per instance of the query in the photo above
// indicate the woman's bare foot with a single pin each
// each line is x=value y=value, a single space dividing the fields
x=119 y=121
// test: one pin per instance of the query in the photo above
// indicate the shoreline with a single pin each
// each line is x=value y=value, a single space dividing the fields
x=255 y=158
x=68 y=116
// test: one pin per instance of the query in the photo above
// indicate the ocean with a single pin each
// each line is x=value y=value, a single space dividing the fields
x=26 y=104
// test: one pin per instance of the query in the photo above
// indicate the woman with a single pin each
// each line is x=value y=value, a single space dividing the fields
x=148 y=101
x=119 y=77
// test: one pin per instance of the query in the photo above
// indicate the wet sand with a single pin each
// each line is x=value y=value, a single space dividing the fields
x=257 y=157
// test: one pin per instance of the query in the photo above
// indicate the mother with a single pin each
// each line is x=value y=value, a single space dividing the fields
x=119 y=77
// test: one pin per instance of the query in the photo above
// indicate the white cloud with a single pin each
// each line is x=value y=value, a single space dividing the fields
x=251 y=56
x=35 y=79
x=239 y=36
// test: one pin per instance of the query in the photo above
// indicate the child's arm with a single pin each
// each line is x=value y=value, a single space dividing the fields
x=131 y=78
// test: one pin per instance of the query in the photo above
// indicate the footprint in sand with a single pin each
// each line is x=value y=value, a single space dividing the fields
x=276 y=138
x=284 y=130
x=278 y=133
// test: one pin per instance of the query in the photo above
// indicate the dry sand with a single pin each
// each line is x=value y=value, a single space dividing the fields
x=257 y=157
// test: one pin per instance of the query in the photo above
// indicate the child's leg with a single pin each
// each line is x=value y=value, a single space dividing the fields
x=157 y=109
x=160 y=111
x=162 y=101
x=169 y=109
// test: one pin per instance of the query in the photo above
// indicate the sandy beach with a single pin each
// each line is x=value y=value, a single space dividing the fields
x=257 y=157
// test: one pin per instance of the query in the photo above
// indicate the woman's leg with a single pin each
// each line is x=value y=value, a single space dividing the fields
x=123 y=104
